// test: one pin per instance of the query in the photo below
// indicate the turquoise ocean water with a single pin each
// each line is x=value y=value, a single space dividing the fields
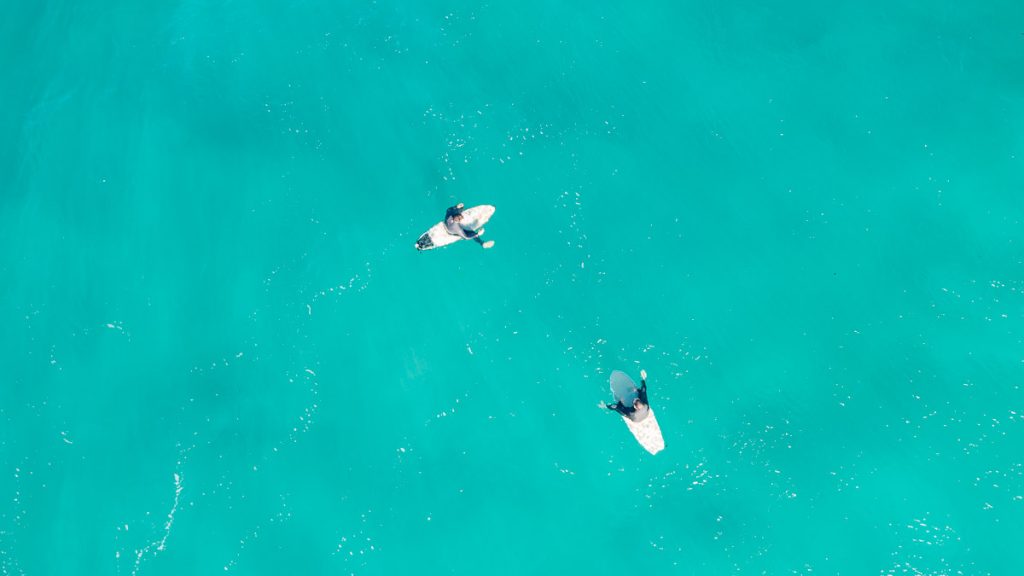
x=220 y=353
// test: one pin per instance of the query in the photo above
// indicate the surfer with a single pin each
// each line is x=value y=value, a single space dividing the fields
x=453 y=224
x=640 y=408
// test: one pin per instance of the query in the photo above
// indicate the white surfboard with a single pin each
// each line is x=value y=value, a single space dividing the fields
x=472 y=218
x=647 y=431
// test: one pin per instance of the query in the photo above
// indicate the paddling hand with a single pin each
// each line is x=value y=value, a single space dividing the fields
x=643 y=374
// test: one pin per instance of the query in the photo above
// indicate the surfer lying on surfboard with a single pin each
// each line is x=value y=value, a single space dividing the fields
x=640 y=408
x=453 y=224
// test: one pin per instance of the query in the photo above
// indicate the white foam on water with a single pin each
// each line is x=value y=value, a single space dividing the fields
x=158 y=546
x=280 y=517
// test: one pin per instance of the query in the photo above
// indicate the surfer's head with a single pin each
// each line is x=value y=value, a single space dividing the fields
x=637 y=404
x=457 y=217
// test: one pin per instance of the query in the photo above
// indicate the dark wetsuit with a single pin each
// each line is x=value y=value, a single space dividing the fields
x=455 y=229
x=631 y=412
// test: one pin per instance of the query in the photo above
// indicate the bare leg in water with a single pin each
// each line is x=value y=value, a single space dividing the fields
x=475 y=235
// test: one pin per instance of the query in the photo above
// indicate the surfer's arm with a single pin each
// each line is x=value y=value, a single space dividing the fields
x=642 y=392
x=617 y=407
x=453 y=211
